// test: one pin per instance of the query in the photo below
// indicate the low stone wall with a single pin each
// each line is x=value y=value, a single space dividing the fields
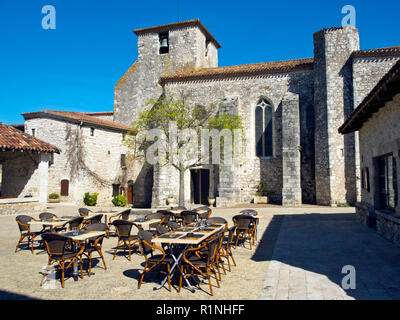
x=365 y=215
x=20 y=206
x=388 y=226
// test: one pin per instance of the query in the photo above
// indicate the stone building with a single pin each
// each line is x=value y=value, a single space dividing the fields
x=24 y=163
x=92 y=158
x=291 y=111
x=377 y=121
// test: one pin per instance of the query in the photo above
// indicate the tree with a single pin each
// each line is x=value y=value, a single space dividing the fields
x=168 y=133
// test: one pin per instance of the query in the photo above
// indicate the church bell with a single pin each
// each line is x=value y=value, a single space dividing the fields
x=164 y=43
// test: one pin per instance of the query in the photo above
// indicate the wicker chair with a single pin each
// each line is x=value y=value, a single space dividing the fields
x=162 y=229
x=173 y=226
x=56 y=247
x=168 y=216
x=200 y=264
x=226 y=250
x=95 y=244
x=189 y=217
x=245 y=228
x=83 y=212
x=204 y=212
x=25 y=231
x=92 y=220
x=125 y=239
x=154 y=260
x=218 y=220
x=75 y=223
x=47 y=216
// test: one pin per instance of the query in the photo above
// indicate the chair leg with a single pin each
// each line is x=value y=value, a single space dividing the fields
x=102 y=258
x=180 y=280
x=19 y=242
x=169 y=277
x=142 y=276
x=209 y=281
x=115 y=252
x=90 y=264
x=62 y=274
x=231 y=255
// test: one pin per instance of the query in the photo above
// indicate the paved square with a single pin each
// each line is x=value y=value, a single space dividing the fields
x=299 y=255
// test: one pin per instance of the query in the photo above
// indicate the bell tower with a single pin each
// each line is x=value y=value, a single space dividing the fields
x=162 y=50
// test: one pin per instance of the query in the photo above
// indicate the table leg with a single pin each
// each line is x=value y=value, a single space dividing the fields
x=176 y=264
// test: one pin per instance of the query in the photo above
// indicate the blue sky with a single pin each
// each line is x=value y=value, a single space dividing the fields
x=76 y=66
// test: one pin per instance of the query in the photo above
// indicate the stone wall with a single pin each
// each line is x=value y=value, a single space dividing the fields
x=100 y=156
x=21 y=206
x=20 y=174
x=380 y=135
x=187 y=51
x=388 y=226
x=247 y=92
x=334 y=156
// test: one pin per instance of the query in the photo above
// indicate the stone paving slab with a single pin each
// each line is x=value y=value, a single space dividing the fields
x=311 y=251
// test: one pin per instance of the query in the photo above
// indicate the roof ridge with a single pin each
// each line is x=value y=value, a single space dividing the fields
x=80 y=116
x=244 y=69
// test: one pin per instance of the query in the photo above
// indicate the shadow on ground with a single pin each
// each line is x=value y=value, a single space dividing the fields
x=325 y=243
x=6 y=295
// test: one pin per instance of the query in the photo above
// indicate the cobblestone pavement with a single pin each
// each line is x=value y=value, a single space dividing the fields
x=299 y=255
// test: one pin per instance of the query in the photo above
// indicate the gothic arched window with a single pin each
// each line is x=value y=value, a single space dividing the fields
x=264 y=128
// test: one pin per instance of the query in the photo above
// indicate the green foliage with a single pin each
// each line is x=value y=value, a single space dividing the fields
x=225 y=121
x=90 y=199
x=343 y=204
x=54 y=196
x=261 y=189
x=119 y=201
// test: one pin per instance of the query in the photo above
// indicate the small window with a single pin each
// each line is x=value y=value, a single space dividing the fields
x=51 y=159
x=115 y=189
x=91 y=132
x=263 y=125
x=365 y=179
x=123 y=161
x=33 y=132
x=164 y=42
x=207 y=44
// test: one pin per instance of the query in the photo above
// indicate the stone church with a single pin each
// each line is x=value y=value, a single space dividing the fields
x=291 y=113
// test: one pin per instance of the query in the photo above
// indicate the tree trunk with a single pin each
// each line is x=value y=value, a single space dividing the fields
x=182 y=187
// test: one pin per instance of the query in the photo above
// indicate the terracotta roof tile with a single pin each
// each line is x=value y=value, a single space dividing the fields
x=13 y=139
x=240 y=70
x=379 y=52
x=78 y=117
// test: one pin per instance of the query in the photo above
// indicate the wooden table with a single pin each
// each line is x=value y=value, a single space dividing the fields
x=179 y=238
x=145 y=224
x=105 y=213
x=80 y=236
x=57 y=222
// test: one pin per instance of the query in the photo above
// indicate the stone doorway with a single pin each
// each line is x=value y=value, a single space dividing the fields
x=200 y=186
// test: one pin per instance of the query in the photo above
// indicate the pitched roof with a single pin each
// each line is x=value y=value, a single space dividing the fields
x=240 y=70
x=383 y=92
x=78 y=117
x=14 y=139
x=105 y=113
x=379 y=52
x=179 y=25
